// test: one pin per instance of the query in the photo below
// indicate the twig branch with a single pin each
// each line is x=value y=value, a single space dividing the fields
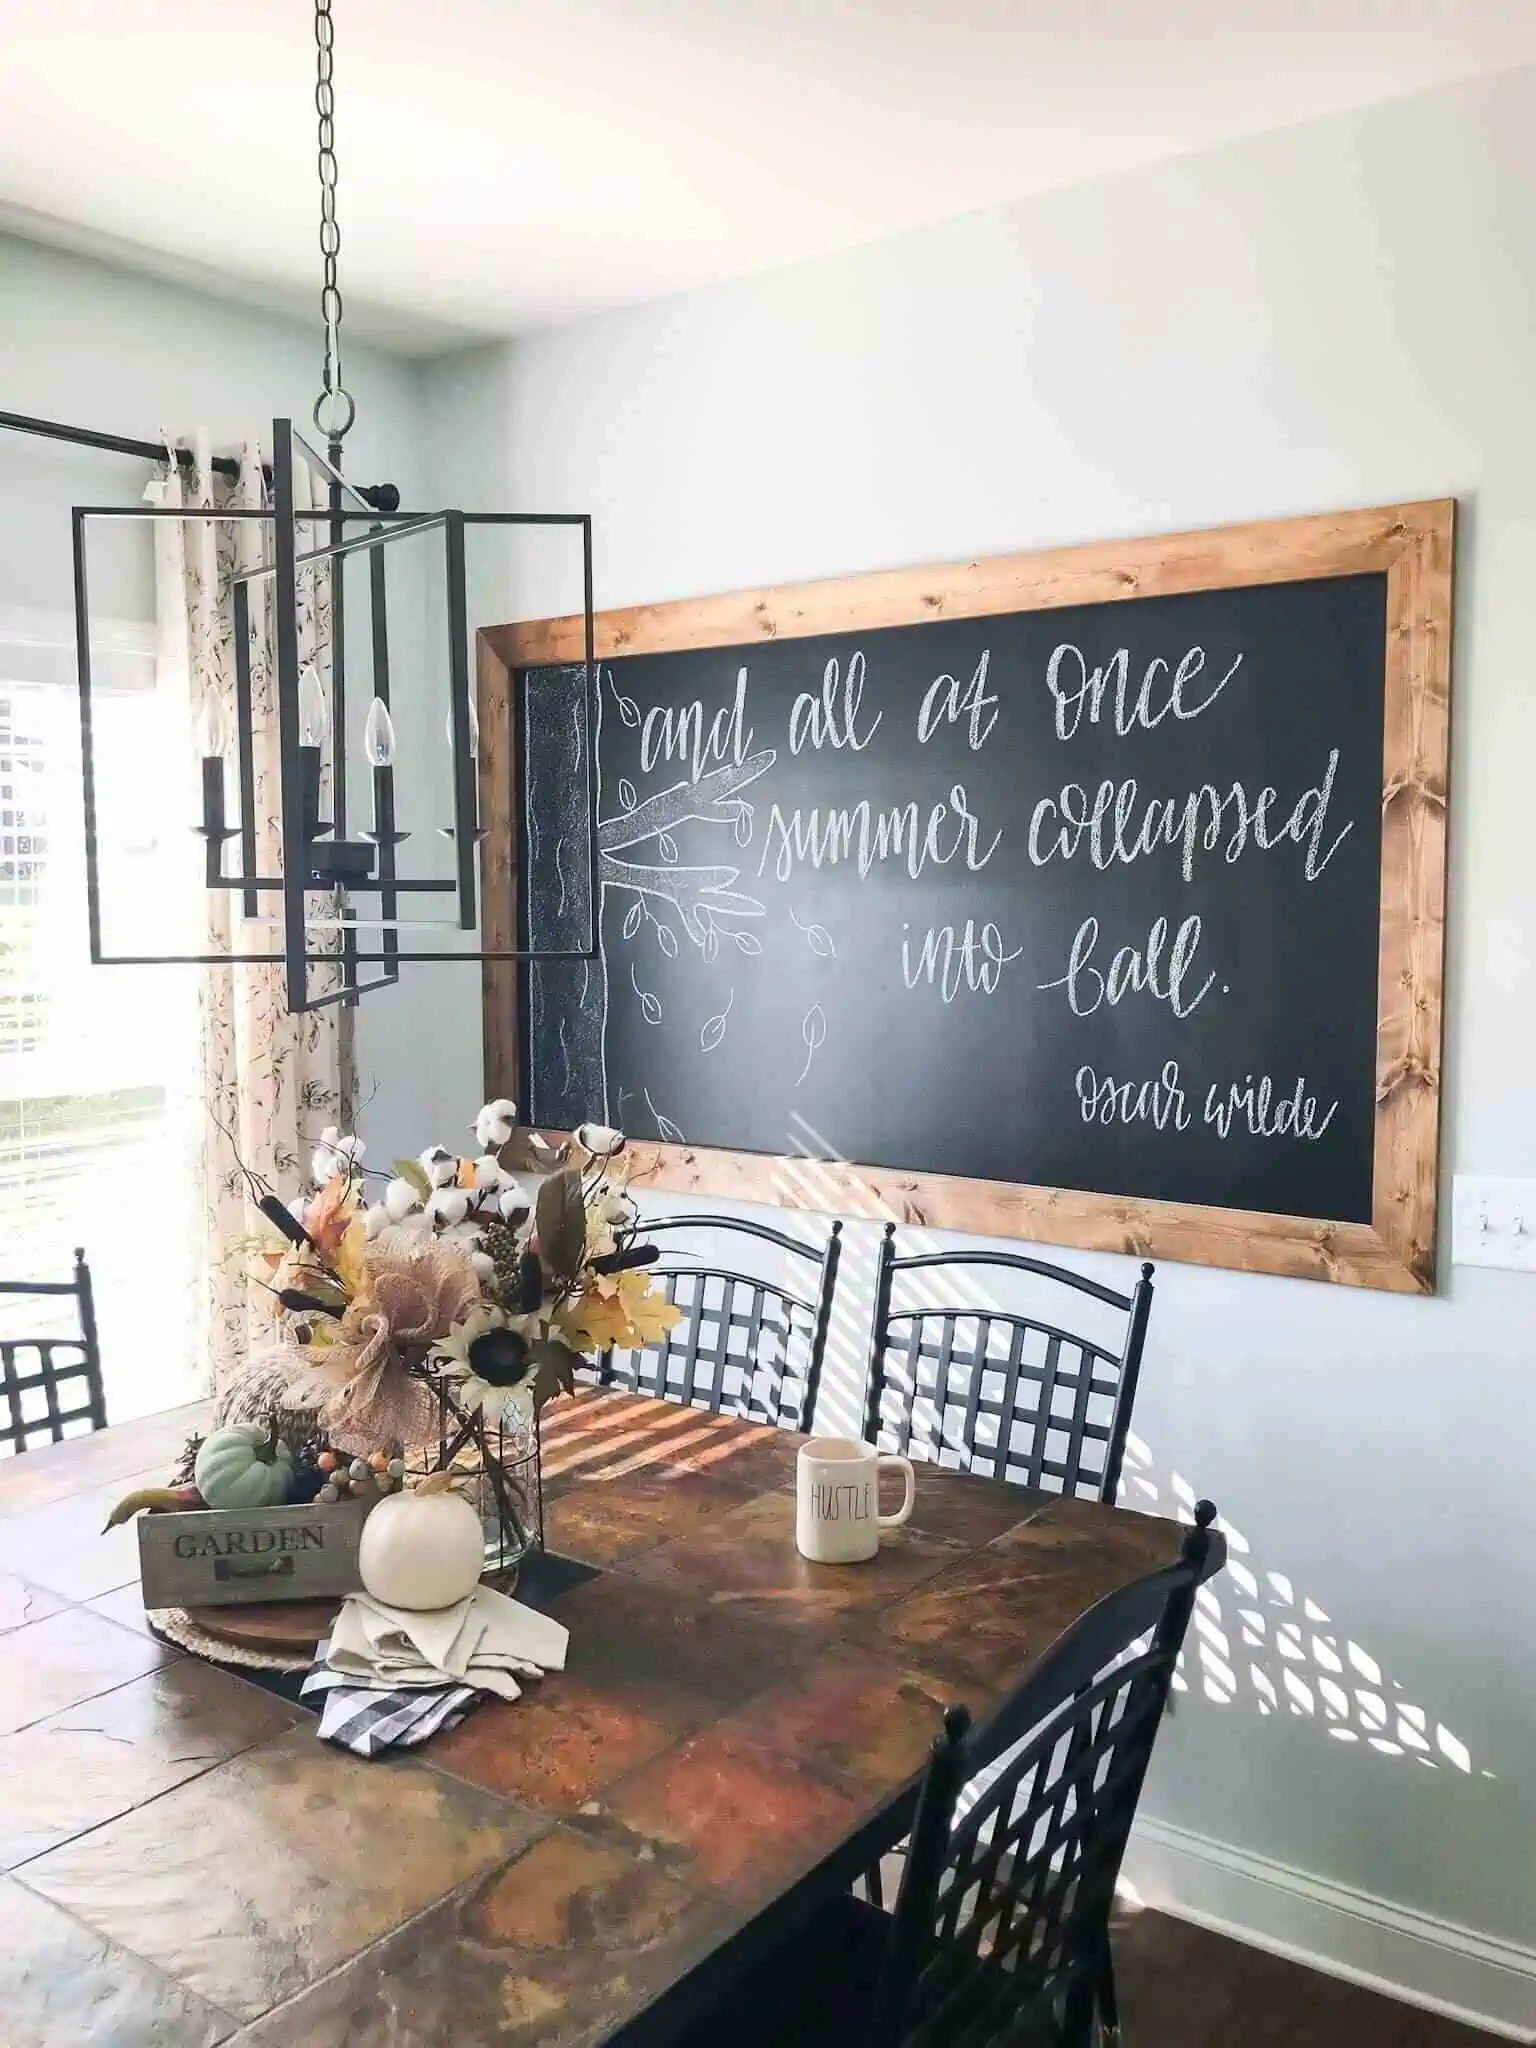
x=688 y=890
x=707 y=801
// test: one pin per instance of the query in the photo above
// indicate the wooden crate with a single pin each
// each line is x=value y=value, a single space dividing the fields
x=219 y=1557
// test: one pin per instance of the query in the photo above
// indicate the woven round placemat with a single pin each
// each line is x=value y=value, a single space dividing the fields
x=178 y=1627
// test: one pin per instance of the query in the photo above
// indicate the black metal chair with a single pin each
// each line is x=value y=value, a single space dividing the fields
x=37 y=1373
x=1055 y=1405
x=747 y=1345
x=1000 y=1936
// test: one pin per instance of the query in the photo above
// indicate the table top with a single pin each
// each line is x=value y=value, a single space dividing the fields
x=188 y=1865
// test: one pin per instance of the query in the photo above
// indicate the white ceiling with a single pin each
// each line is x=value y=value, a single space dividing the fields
x=507 y=163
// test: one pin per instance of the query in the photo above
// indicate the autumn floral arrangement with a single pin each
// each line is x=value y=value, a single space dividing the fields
x=481 y=1280
x=424 y=1314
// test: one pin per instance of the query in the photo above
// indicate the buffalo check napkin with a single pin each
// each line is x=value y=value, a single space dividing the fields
x=368 y=1719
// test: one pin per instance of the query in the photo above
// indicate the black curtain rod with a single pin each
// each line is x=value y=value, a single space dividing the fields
x=113 y=444
x=382 y=497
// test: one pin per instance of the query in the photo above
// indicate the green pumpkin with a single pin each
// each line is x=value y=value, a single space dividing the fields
x=243 y=1465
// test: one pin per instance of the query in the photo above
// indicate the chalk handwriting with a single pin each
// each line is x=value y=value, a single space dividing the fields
x=671 y=734
x=837 y=835
x=974 y=961
x=1255 y=1107
x=1200 y=821
x=1077 y=689
x=946 y=698
x=1133 y=970
x=1104 y=1100
x=832 y=719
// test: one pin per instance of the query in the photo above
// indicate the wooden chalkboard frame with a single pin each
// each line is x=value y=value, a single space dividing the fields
x=1413 y=545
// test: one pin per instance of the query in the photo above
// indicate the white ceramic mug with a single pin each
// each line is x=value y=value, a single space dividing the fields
x=837 y=1482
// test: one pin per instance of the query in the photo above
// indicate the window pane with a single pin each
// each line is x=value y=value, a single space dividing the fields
x=98 y=1066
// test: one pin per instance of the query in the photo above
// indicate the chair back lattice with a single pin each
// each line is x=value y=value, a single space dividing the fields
x=1009 y=1394
x=50 y=1387
x=746 y=1345
x=1002 y=1923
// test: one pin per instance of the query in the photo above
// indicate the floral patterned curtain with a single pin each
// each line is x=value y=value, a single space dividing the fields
x=271 y=1080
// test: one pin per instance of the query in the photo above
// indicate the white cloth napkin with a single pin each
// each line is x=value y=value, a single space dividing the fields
x=480 y=1641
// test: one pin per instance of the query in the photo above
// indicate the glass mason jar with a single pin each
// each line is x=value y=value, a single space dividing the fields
x=496 y=1469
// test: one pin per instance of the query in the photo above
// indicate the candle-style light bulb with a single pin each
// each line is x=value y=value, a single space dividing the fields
x=314 y=719
x=379 y=735
x=474 y=729
x=211 y=728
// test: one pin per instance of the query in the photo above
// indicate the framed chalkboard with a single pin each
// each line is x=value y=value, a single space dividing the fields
x=1094 y=897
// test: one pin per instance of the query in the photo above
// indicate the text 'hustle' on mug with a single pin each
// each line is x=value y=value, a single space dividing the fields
x=838 y=1518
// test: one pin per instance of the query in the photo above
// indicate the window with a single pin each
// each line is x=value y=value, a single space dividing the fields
x=99 y=1067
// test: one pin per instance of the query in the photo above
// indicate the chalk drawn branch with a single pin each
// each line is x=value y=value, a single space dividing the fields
x=700 y=895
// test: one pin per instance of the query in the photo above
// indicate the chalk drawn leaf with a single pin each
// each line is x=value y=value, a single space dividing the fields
x=711 y=944
x=714 y=1027
x=817 y=937
x=628 y=709
x=632 y=921
x=666 y=938
x=628 y=796
x=748 y=942
x=743 y=825
x=814 y=1031
x=666 y=846
x=650 y=1007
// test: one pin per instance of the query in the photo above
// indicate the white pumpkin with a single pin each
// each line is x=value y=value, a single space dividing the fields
x=421 y=1550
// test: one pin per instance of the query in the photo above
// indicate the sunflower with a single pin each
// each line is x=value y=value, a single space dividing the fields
x=489 y=1354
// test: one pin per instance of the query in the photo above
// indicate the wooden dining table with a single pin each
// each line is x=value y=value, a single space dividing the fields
x=736 y=1733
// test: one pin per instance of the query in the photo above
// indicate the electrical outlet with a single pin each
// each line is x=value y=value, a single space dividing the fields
x=1493 y=1222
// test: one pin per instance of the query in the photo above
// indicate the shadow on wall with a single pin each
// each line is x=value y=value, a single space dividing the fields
x=1260 y=1641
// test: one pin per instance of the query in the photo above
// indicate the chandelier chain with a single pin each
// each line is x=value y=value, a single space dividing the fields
x=334 y=408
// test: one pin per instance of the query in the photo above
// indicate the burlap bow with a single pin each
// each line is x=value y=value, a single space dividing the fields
x=362 y=1381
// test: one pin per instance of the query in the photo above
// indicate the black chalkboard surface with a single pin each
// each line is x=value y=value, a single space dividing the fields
x=1093 y=896
x=1085 y=898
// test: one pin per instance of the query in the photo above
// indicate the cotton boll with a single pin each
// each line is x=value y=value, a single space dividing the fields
x=617 y=1209
x=448 y=1206
x=323 y=1163
x=495 y=1124
x=601 y=1140
x=484 y=1265
x=298 y=1208
x=376 y=1217
x=400 y=1200
x=440 y=1167
x=347 y=1150
x=413 y=1230
x=518 y=1199
x=488 y=1172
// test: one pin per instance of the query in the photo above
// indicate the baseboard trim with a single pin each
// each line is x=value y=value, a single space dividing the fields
x=1476 y=1978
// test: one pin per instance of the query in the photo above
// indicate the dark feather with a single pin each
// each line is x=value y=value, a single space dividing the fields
x=627 y=1257
x=282 y=1218
x=528 y=1289
x=306 y=1304
x=561 y=1219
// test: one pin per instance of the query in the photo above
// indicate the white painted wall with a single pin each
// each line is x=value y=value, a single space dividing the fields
x=1338 y=315
x=96 y=346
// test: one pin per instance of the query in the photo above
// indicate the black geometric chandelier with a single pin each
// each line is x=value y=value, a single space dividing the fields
x=335 y=886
